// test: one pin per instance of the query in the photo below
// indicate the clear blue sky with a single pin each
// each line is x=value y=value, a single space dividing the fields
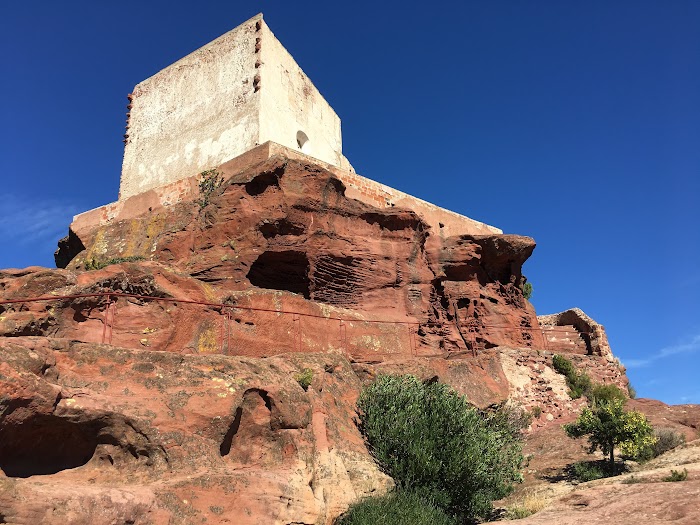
x=577 y=123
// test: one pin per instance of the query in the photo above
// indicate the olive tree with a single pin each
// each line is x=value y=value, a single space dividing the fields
x=435 y=444
x=609 y=425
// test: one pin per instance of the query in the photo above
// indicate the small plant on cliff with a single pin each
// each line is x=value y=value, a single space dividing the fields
x=609 y=425
x=92 y=264
x=435 y=444
x=210 y=181
x=526 y=288
x=396 y=508
x=563 y=366
x=578 y=382
x=304 y=378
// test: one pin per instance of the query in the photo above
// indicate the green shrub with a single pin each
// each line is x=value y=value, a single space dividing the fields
x=509 y=418
x=526 y=288
x=578 y=382
x=536 y=412
x=435 y=444
x=304 y=378
x=631 y=391
x=587 y=471
x=563 y=366
x=677 y=475
x=604 y=393
x=397 y=508
x=666 y=439
x=579 y=385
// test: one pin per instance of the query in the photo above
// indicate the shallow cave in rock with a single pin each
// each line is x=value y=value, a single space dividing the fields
x=264 y=180
x=285 y=270
x=45 y=444
x=252 y=398
x=280 y=227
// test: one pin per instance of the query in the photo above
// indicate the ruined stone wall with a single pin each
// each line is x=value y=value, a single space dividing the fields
x=578 y=333
x=444 y=223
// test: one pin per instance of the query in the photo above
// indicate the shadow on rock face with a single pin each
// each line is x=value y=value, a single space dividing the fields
x=45 y=444
x=284 y=270
x=40 y=444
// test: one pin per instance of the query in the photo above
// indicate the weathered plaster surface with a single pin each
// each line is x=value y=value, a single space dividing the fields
x=239 y=91
x=290 y=103
x=195 y=114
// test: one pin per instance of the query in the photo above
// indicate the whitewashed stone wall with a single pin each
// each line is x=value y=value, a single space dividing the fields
x=292 y=111
x=239 y=91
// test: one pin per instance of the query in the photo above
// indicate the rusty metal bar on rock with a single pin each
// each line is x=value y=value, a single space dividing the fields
x=112 y=320
x=229 y=318
x=107 y=321
x=411 y=341
x=343 y=336
x=222 y=330
x=296 y=332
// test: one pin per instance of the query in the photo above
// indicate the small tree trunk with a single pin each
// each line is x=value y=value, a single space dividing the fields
x=612 y=460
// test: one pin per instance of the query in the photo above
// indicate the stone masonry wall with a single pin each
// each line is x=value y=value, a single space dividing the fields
x=292 y=111
x=446 y=222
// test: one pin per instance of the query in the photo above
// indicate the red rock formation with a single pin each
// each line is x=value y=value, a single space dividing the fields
x=96 y=434
x=278 y=270
x=287 y=226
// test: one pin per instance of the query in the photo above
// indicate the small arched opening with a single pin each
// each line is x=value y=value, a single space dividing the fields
x=302 y=141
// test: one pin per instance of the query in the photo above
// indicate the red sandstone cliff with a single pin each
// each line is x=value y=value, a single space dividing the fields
x=191 y=410
x=286 y=229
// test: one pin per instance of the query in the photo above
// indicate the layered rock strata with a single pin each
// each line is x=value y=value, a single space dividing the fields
x=285 y=231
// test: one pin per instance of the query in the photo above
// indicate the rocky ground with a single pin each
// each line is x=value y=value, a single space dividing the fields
x=98 y=434
x=640 y=495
